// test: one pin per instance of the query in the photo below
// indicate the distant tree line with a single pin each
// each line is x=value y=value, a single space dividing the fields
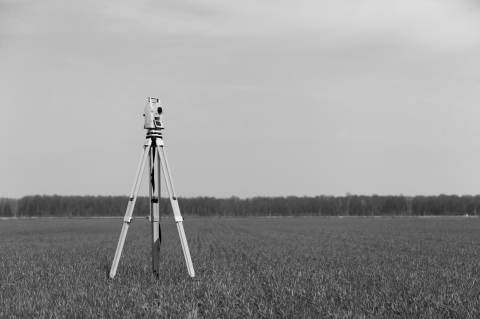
x=349 y=205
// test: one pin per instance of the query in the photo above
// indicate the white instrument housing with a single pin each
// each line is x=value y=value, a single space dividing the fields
x=153 y=114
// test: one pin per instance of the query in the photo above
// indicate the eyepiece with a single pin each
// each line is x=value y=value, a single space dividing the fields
x=159 y=110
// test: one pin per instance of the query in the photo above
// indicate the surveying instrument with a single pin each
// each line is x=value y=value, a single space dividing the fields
x=154 y=147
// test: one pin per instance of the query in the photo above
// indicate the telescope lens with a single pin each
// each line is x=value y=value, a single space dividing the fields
x=159 y=110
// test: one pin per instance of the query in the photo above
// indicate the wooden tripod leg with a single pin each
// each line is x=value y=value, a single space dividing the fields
x=176 y=210
x=131 y=204
x=155 y=207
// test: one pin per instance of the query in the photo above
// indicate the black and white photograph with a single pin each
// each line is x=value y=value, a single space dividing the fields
x=240 y=159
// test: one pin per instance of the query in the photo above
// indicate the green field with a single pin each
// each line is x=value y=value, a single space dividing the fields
x=246 y=268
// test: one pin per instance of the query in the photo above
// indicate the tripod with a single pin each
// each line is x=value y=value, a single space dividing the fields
x=153 y=148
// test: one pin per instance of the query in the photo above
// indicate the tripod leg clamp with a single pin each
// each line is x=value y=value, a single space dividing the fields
x=178 y=219
x=127 y=220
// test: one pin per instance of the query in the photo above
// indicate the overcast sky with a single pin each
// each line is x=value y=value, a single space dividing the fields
x=261 y=98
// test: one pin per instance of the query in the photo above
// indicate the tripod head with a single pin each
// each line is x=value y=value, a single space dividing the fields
x=153 y=114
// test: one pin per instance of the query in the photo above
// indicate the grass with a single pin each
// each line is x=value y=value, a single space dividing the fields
x=246 y=268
